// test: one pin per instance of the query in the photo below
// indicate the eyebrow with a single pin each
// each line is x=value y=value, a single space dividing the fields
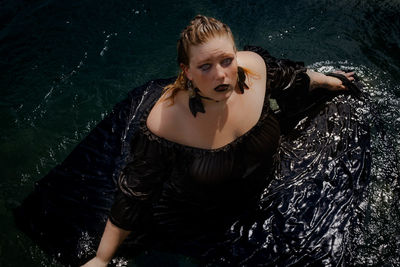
x=220 y=55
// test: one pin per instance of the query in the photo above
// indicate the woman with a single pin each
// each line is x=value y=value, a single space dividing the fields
x=206 y=145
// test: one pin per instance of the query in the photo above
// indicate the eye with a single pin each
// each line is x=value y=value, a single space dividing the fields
x=226 y=62
x=205 y=67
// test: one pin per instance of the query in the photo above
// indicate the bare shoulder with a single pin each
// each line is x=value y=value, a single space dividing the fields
x=252 y=61
x=165 y=118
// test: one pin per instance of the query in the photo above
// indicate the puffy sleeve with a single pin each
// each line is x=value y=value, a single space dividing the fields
x=288 y=88
x=139 y=183
x=287 y=81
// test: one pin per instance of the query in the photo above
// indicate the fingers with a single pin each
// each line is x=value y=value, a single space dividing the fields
x=339 y=72
x=348 y=75
x=336 y=82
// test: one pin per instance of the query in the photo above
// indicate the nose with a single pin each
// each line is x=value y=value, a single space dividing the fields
x=219 y=72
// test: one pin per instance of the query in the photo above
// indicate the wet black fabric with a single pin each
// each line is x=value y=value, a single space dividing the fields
x=311 y=212
x=304 y=214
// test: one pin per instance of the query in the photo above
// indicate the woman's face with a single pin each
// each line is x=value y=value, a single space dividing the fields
x=213 y=67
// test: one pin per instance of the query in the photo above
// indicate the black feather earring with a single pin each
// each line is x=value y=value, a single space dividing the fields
x=195 y=103
x=241 y=80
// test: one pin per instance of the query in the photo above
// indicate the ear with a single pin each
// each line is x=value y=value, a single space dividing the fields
x=186 y=71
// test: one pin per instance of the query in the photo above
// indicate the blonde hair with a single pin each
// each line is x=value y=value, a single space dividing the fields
x=199 y=31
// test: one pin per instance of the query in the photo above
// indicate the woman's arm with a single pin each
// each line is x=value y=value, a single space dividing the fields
x=112 y=237
x=319 y=80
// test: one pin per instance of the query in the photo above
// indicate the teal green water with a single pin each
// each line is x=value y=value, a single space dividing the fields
x=64 y=64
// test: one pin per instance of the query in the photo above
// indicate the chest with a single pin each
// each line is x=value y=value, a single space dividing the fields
x=214 y=129
x=246 y=156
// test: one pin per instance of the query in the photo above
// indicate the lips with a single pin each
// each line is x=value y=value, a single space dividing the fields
x=221 y=88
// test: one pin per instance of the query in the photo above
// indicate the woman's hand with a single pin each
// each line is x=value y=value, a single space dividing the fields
x=95 y=262
x=319 y=80
x=334 y=84
x=112 y=237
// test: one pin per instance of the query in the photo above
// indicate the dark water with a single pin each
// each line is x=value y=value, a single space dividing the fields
x=64 y=64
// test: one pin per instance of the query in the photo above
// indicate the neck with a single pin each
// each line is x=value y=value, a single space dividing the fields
x=211 y=105
x=210 y=102
x=207 y=98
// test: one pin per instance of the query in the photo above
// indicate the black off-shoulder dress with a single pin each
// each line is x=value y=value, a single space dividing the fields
x=169 y=195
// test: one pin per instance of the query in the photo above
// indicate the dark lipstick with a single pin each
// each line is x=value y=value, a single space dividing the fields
x=222 y=87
